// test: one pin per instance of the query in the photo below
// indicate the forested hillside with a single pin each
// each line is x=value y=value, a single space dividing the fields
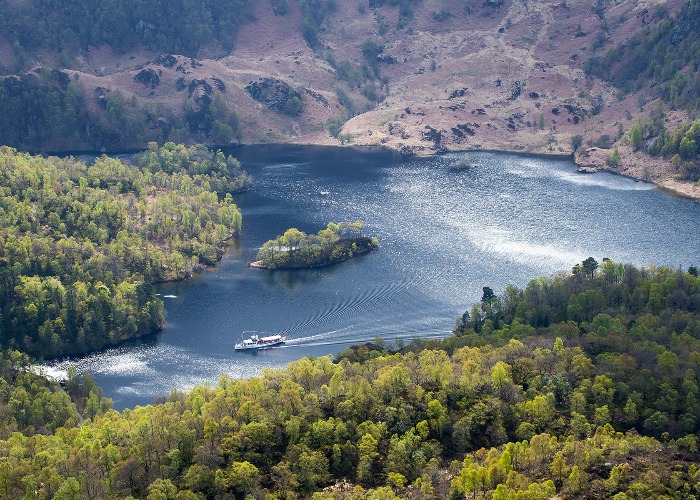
x=666 y=57
x=179 y=26
x=682 y=145
x=46 y=109
x=584 y=385
x=81 y=245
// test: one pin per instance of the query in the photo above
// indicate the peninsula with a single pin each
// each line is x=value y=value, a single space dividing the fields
x=298 y=250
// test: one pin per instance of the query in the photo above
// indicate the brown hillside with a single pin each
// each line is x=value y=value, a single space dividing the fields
x=507 y=78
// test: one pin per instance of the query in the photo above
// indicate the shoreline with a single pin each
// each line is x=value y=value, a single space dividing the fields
x=683 y=189
x=635 y=165
x=661 y=187
x=526 y=154
x=258 y=264
x=349 y=249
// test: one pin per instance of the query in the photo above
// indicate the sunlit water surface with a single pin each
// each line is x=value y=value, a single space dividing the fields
x=444 y=234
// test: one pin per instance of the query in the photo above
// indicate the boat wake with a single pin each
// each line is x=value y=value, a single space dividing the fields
x=345 y=336
x=351 y=306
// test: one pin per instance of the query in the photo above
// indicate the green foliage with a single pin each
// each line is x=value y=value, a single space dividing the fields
x=181 y=27
x=207 y=169
x=334 y=125
x=207 y=118
x=614 y=306
x=371 y=49
x=29 y=403
x=614 y=160
x=636 y=136
x=667 y=54
x=280 y=7
x=46 y=110
x=442 y=15
x=295 y=249
x=80 y=245
x=576 y=141
x=314 y=13
x=605 y=409
x=293 y=107
x=406 y=9
x=363 y=77
x=681 y=145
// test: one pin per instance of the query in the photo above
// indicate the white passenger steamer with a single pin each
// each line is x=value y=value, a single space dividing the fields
x=255 y=342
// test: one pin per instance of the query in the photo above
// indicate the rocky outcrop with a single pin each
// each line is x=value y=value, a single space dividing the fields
x=147 y=78
x=432 y=135
x=101 y=96
x=219 y=84
x=166 y=60
x=276 y=94
x=200 y=86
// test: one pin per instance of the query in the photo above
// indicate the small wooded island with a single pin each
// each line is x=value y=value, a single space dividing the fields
x=298 y=250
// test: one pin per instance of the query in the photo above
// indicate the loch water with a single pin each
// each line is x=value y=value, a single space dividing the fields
x=444 y=234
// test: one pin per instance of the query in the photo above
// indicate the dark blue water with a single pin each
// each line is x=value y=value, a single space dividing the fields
x=444 y=235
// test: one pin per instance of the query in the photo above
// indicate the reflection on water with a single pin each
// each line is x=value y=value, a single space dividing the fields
x=290 y=278
x=444 y=234
x=509 y=244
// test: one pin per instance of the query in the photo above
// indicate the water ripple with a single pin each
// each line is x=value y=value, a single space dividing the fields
x=444 y=235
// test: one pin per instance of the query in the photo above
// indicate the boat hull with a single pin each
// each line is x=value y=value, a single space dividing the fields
x=256 y=343
x=241 y=347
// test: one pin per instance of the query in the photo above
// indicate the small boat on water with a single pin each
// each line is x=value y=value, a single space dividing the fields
x=255 y=342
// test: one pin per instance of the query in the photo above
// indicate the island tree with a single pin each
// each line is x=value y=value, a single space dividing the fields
x=296 y=249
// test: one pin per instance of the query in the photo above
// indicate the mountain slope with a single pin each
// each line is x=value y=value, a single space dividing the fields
x=419 y=77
